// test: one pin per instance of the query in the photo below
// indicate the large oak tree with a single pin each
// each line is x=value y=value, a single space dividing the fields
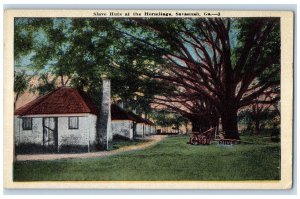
x=227 y=63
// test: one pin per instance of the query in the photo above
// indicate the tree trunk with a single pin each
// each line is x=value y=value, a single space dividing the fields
x=196 y=126
x=229 y=123
x=256 y=126
x=62 y=80
x=16 y=99
x=201 y=124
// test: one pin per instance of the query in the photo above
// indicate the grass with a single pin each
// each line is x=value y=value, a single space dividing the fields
x=118 y=143
x=171 y=159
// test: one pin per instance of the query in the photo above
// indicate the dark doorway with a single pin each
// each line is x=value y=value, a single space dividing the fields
x=143 y=130
x=134 y=129
x=50 y=134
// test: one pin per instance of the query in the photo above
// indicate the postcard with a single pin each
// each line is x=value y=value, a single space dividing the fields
x=148 y=99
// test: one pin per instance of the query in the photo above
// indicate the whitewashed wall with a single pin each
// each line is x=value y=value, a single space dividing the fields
x=153 y=130
x=139 y=129
x=85 y=134
x=34 y=136
x=92 y=129
x=123 y=128
x=146 y=129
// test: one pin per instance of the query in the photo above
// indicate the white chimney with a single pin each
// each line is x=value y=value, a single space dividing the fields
x=105 y=114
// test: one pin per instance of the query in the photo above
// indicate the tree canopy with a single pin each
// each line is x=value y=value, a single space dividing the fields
x=202 y=68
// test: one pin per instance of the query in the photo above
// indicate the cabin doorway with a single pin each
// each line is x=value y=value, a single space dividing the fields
x=50 y=133
x=143 y=130
x=134 y=129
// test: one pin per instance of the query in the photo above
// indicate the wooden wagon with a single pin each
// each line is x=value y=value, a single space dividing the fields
x=202 y=138
x=206 y=138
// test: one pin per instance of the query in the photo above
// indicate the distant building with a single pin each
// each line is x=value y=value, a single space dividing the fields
x=144 y=127
x=123 y=123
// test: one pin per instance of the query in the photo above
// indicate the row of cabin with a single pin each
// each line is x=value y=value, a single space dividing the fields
x=67 y=117
x=130 y=125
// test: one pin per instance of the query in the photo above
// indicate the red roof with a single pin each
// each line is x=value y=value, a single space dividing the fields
x=117 y=113
x=64 y=100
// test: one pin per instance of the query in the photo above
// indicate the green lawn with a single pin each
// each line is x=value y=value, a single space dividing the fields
x=171 y=159
x=116 y=144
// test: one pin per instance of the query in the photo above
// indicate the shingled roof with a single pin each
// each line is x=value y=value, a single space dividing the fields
x=149 y=122
x=139 y=119
x=117 y=113
x=64 y=100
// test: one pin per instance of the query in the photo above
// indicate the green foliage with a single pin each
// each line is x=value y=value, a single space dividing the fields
x=21 y=81
x=21 y=84
x=84 y=49
x=45 y=85
x=167 y=118
x=269 y=122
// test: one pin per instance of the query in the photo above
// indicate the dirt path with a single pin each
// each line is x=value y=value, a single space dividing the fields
x=153 y=140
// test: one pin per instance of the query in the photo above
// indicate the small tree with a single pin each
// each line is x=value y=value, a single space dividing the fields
x=166 y=118
x=21 y=84
x=260 y=117
x=45 y=84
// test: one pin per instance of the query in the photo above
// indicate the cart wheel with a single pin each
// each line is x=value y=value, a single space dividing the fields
x=194 y=141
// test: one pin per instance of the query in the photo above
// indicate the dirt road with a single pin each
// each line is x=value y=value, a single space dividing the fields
x=154 y=139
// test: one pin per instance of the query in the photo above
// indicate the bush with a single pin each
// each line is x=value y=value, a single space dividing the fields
x=269 y=123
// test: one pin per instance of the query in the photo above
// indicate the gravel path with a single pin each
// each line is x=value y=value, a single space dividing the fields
x=154 y=139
